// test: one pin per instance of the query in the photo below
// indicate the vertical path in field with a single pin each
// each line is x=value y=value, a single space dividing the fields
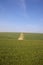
x=21 y=37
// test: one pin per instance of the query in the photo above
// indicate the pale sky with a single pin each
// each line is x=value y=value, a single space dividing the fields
x=21 y=16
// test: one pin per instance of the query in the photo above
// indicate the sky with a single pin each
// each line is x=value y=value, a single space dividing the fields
x=21 y=16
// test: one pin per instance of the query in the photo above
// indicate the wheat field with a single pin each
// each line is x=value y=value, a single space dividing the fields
x=26 y=52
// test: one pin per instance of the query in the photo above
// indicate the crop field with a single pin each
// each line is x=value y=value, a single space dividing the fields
x=26 y=52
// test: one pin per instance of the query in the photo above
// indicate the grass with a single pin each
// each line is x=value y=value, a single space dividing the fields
x=26 y=52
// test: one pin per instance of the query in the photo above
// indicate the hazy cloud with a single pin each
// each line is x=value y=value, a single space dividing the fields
x=22 y=5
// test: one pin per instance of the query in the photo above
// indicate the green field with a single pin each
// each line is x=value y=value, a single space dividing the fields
x=26 y=52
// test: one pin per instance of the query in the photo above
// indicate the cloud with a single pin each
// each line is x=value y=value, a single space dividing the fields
x=22 y=5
